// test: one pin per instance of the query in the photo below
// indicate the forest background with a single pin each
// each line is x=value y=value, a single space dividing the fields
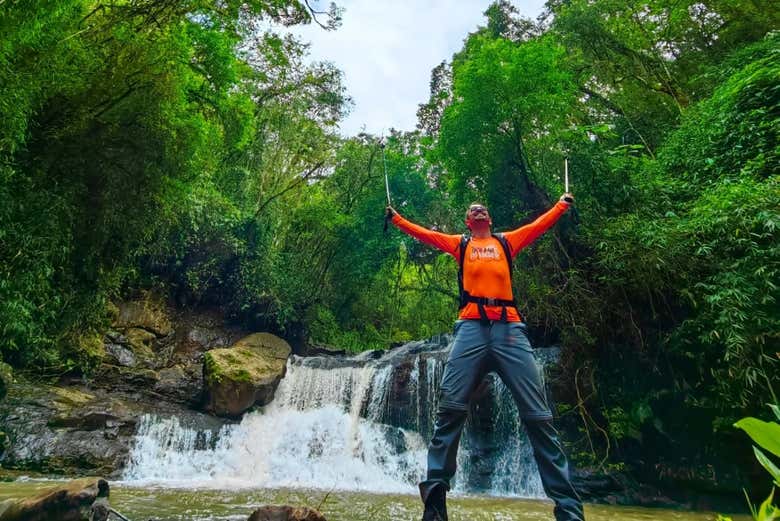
x=191 y=148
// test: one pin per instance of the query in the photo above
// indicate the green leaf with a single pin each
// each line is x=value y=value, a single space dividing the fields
x=768 y=465
x=776 y=410
x=765 y=434
x=767 y=512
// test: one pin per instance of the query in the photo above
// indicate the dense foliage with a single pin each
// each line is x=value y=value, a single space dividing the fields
x=194 y=149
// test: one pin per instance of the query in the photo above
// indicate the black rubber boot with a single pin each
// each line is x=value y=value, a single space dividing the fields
x=436 y=505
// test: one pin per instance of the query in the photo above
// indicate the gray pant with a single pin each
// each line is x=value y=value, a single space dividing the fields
x=504 y=348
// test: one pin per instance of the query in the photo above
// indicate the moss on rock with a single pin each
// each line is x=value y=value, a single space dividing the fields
x=6 y=378
x=85 y=349
x=149 y=312
x=69 y=397
x=245 y=374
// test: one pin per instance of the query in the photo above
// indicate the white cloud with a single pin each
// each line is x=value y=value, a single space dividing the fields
x=387 y=51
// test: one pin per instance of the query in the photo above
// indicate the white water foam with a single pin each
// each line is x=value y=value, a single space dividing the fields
x=324 y=430
x=313 y=436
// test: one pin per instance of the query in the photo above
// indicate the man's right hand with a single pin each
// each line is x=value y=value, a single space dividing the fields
x=390 y=212
x=568 y=197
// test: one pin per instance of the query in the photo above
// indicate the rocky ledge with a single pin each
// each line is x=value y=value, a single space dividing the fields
x=153 y=361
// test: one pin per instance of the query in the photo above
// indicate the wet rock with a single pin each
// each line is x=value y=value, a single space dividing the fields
x=400 y=395
x=181 y=383
x=596 y=486
x=120 y=354
x=125 y=379
x=208 y=337
x=69 y=502
x=322 y=350
x=152 y=363
x=200 y=331
x=286 y=513
x=65 y=430
x=78 y=430
x=245 y=374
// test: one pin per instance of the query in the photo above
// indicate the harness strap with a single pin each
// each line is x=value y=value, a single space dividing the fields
x=481 y=302
x=487 y=301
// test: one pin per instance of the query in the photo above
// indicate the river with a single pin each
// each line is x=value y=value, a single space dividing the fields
x=174 y=504
x=346 y=435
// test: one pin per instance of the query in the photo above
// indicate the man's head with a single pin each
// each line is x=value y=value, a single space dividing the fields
x=477 y=215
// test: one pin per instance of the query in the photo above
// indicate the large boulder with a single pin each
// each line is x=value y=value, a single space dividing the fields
x=245 y=374
x=286 y=513
x=70 y=502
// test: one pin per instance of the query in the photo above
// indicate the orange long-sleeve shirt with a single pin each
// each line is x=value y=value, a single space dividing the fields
x=485 y=271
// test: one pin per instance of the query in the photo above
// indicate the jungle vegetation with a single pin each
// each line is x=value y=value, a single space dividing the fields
x=192 y=147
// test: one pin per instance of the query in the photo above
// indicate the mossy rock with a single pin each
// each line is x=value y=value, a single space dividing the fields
x=141 y=343
x=6 y=378
x=87 y=348
x=245 y=374
x=149 y=312
x=66 y=398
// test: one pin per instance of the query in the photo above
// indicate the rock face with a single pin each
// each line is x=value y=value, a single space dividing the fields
x=64 y=429
x=148 y=312
x=245 y=374
x=158 y=349
x=78 y=429
x=70 y=502
x=152 y=364
x=285 y=513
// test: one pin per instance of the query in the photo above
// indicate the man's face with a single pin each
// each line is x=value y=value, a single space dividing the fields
x=477 y=214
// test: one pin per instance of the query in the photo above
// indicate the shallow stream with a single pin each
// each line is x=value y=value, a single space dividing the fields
x=172 y=504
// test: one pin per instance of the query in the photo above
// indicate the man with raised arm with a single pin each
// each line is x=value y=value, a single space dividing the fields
x=491 y=336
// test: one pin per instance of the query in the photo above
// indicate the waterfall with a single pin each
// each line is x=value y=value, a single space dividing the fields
x=345 y=423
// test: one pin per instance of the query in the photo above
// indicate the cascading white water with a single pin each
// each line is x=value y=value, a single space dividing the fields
x=313 y=435
x=332 y=428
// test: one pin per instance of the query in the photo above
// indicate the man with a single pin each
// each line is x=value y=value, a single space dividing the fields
x=490 y=336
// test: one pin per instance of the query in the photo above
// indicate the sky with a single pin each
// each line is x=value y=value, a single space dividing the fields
x=387 y=49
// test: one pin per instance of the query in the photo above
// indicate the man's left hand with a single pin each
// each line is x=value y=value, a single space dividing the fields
x=568 y=197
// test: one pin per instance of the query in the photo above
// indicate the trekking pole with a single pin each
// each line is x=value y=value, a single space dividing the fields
x=388 y=215
x=566 y=179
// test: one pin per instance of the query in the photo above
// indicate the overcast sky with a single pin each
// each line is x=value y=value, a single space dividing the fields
x=388 y=48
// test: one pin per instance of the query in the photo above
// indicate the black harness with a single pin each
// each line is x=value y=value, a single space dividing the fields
x=481 y=302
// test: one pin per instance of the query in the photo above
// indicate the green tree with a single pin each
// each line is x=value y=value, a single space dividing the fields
x=504 y=96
